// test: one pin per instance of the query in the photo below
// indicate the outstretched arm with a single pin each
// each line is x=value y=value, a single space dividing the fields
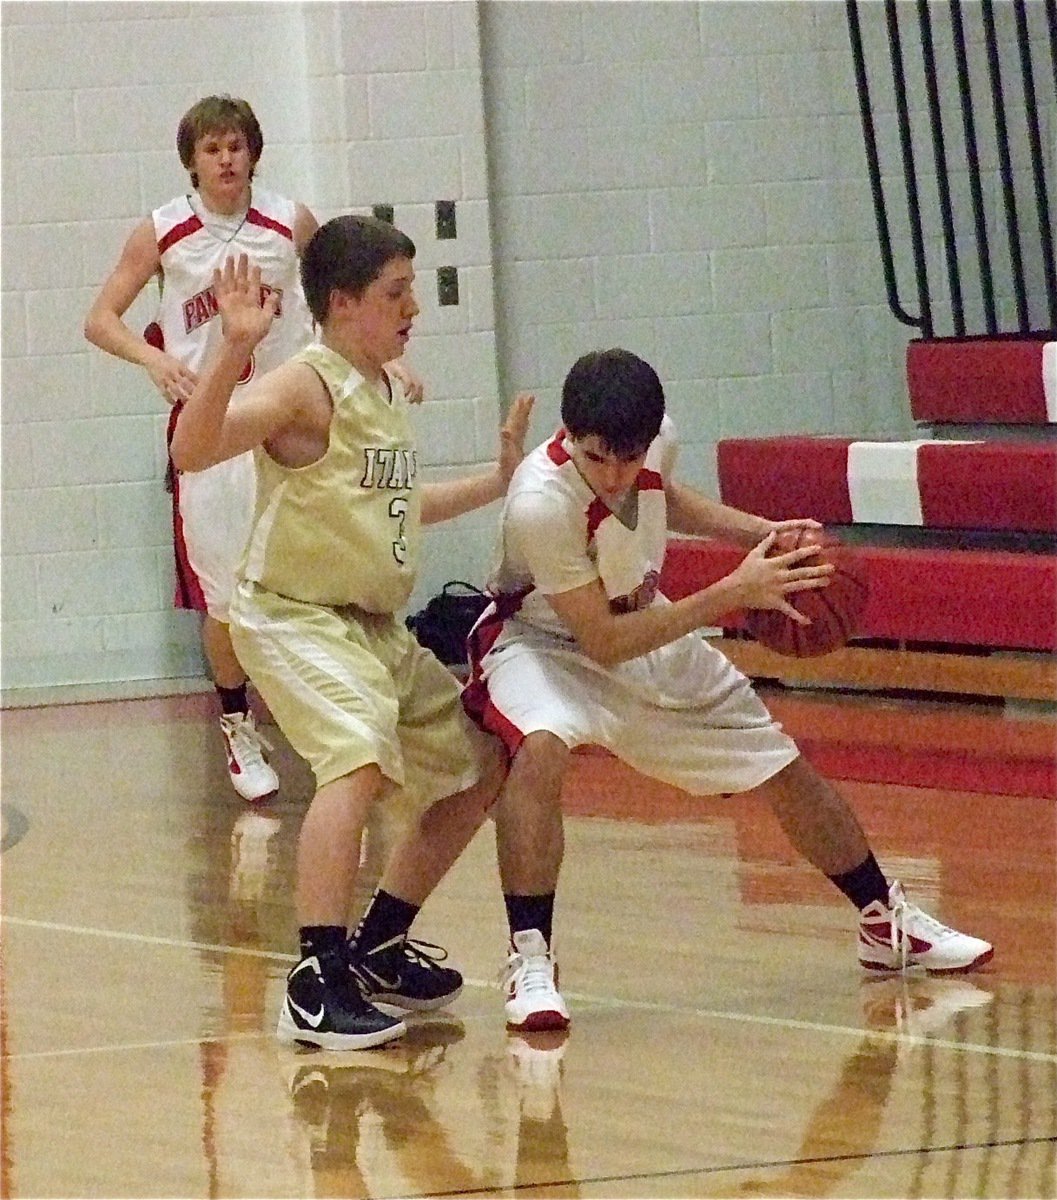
x=691 y=512
x=757 y=582
x=451 y=498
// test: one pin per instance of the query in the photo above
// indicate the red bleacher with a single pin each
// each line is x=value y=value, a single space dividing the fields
x=938 y=595
x=1005 y=485
x=1008 y=380
x=965 y=598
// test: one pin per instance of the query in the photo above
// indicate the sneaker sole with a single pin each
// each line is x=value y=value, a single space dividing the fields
x=413 y=1003
x=257 y=799
x=540 y=1022
x=962 y=969
x=287 y=1031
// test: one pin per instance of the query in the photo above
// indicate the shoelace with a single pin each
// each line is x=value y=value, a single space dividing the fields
x=902 y=914
x=534 y=974
x=251 y=743
x=424 y=954
x=427 y=955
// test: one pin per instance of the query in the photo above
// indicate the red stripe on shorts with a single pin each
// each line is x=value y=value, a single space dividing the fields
x=188 y=591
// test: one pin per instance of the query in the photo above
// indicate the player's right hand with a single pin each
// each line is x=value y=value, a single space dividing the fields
x=245 y=314
x=764 y=582
x=175 y=381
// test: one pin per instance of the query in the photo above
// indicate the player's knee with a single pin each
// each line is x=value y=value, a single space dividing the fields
x=542 y=755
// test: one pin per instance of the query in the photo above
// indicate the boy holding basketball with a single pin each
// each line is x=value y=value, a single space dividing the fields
x=579 y=648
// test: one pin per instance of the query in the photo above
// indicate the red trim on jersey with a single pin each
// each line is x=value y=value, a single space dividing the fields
x=649 y=481
x=597 y=512
x=255 y=217
x=556 y=452
x=188 y=591
x=179 y=232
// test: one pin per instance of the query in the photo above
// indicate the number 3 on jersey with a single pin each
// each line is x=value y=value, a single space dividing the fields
x=398 y=510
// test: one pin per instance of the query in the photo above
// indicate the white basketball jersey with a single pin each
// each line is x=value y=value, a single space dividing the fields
x=193 y=242
x=557 y=535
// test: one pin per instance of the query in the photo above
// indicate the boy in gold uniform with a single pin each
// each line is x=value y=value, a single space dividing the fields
x=331 y=559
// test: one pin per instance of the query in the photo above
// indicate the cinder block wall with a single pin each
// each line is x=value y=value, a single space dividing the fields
x=689 y=180
x=361 y=105
x=685 y=179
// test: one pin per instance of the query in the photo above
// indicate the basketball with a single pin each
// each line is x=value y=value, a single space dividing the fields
x=834 y=611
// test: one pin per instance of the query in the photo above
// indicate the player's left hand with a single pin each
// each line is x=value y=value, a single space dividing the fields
x=512 y=434
x=414 y=388
x=795 y=523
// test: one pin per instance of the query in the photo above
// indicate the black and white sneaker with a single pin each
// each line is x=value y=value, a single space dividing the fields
x=331 y=1014
x=406 y=974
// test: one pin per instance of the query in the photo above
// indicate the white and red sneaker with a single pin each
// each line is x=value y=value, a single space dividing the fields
x=250 y=774
x=530 y=980
x=898 y=935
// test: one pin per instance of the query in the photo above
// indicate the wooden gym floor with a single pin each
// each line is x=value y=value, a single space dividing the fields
x=725 y=1042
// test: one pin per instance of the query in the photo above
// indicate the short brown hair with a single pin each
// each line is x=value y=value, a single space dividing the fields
x=217 y=114
x=347 y=254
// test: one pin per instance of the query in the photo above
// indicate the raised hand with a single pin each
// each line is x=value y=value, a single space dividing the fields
x=512 y=434
x=245 y=314
x=764 y=582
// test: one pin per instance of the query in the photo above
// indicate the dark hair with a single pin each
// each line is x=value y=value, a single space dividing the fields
x=217 y=114
x=615 y=396
x=347 y=254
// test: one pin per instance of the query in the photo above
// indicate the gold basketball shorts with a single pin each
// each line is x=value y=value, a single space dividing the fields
x=350 y=688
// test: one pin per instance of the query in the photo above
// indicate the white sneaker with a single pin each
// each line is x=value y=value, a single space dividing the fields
x=533 y=1001
x=898 y=935
x=250 y=774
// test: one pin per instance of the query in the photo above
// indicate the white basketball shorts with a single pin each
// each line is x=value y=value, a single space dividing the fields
x=683 y=714
x=216 y=513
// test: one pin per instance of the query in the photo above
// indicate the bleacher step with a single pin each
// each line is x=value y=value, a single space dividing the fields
x=1004 y=378
x=994 y=485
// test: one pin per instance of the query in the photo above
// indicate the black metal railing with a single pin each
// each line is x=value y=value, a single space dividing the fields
x=1014 y=117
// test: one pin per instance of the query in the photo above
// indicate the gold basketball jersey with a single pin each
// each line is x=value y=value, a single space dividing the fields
x=346 y=528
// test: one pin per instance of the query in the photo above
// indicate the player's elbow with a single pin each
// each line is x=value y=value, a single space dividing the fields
x=90 y=329
x=186 y=461
x=181 y=459
x=183 y=452
x=601 y=649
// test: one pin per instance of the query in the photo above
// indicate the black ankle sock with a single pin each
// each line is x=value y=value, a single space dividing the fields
x=322 y=940
x=530 y=912
x=233 y=700
x=386 y=917
x=863 y=884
